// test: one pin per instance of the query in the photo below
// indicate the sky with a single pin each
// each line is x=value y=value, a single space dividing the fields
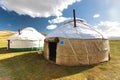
x=46 y=15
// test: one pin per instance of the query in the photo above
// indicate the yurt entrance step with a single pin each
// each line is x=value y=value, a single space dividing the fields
x=52 y=51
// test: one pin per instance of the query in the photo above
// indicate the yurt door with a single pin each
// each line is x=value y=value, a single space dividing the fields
x=8 y=44
x=52 y=51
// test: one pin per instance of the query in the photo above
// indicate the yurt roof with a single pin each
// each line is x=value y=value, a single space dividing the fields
x=82 y=31
x=28 y=33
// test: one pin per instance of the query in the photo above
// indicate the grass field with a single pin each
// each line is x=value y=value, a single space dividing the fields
x=32 y=66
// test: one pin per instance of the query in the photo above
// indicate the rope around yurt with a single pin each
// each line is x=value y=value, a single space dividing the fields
x=96 y=31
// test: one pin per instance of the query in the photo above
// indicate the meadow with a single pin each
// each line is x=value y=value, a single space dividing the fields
x=30 y=65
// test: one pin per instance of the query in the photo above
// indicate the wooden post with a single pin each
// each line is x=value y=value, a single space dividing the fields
x=74 y=17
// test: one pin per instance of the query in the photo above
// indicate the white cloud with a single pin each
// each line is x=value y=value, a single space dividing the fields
x=96 y=15
x=111 y=29
x=50 y=27
x=37 y=8
x=58 y=20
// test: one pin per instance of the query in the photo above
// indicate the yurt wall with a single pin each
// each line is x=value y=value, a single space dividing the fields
x=24 y=45
x=73 y=52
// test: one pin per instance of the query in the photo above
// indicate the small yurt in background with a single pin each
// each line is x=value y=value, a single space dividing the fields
x=76 y=43
x=26 y=39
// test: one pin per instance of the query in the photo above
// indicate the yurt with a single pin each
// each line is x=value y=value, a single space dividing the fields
x=76 y=43
x=25 y=40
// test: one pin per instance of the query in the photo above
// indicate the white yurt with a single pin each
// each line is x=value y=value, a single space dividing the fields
x=26 y=39
x=76 y=46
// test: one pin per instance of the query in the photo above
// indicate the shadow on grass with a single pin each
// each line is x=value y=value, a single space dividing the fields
x=4 y=50
x=33 y=66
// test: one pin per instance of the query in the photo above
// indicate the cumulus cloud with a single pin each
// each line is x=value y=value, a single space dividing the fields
x=96 y=15
x=50 y=27
x=58 y=20
x=37 y=8
x=111 y=29
x=55 y=21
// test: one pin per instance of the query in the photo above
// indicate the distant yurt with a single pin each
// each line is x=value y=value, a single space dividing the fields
x=76 y=43
x=25 y=40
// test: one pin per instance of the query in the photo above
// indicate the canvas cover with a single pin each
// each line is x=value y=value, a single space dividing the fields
x=82 y=31
x=81 y=45
x=28 y=33
x=79 y=51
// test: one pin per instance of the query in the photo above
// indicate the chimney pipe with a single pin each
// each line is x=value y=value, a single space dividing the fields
x=74 y=17
x=19 y=31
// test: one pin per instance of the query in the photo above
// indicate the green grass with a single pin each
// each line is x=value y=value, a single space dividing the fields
x=32 y=66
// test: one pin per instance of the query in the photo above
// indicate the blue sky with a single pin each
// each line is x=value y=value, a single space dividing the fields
x=46 y=15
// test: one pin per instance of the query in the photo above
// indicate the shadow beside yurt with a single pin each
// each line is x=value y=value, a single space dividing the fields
x=76 y=45
x=27 y=39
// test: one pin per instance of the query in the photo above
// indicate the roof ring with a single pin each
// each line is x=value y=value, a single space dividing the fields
x=71 y=20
